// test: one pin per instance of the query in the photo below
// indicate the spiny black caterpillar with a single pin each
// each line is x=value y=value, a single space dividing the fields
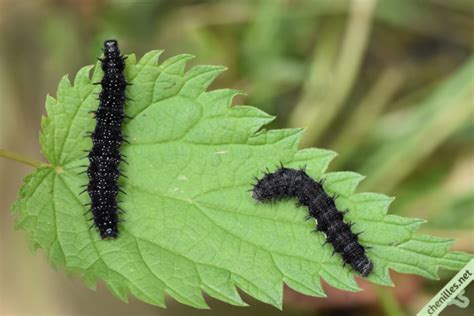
x=104 y=157
x=291 y=183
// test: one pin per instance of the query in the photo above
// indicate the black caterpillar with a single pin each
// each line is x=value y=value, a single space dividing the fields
x=103 y=170
x=287 y=183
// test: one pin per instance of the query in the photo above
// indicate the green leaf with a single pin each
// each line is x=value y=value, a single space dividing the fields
x=191 y=224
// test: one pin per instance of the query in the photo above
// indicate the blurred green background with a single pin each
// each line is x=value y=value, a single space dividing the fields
x=388 y=84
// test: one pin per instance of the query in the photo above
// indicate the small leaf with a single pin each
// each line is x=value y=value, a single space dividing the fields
x=191 y=225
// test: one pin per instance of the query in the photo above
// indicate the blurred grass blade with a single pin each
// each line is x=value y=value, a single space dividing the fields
x=447 y=204
x=366 y=114
x=317 y=114
x=418 y=17
x=319 y=80
x=262 y=46
x=434 y=120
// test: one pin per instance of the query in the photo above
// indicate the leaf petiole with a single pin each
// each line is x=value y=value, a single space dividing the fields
x=27 y=161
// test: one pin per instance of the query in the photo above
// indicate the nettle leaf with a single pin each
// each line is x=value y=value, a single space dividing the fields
x=191 y=224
